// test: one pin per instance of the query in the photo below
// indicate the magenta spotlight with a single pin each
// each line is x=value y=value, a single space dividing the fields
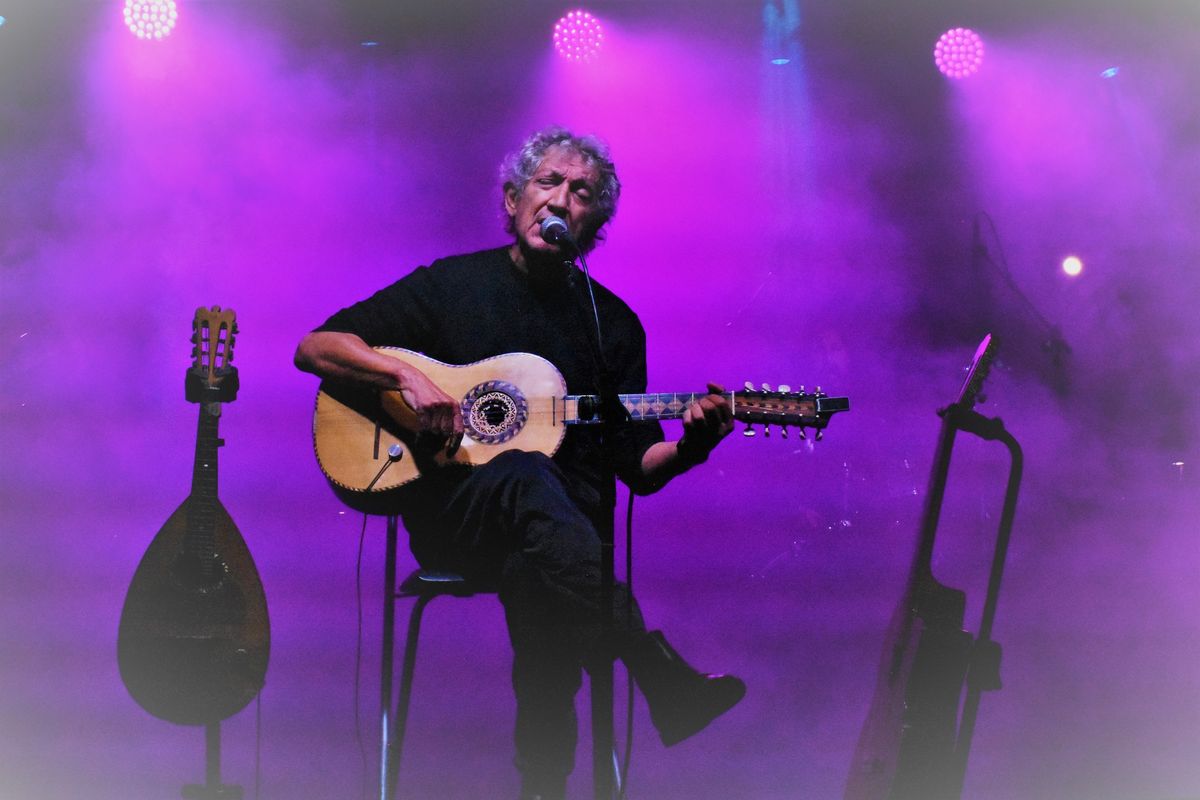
x=150 y=19
x=958 y=53
x=578 y=36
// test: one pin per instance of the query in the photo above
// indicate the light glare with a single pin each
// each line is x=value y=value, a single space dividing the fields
x=578 y=36
x=958 y=53
x=150 y=19
x=1072 y=265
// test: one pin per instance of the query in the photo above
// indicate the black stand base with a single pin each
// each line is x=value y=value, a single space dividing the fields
x=212 y=789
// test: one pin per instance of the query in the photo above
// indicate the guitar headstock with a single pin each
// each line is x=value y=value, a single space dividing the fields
x=786 y=408
x=981 y=364
x=212 y=378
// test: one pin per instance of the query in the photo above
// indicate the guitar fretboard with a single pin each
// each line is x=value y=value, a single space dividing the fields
x=199 y=541
x=585 y=409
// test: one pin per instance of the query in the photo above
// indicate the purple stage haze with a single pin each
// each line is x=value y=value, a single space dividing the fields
x=850 y=220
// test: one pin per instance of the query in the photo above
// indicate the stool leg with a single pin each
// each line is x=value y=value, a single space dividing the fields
x=388 y=646
x=400 y=721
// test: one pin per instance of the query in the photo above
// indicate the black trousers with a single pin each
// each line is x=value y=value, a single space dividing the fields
x=511 y=523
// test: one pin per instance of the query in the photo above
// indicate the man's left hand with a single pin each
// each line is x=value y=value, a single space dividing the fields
x=705 y=423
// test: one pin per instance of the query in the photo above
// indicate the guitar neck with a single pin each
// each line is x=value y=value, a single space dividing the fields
x=199 y=542
x=584 y=409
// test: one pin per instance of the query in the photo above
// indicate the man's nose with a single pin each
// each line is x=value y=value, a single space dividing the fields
x=559 y=200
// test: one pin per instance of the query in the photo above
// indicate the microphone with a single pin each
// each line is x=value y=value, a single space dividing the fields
x=554 y=230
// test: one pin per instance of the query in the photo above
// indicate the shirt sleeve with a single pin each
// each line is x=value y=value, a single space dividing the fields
x=400 y=315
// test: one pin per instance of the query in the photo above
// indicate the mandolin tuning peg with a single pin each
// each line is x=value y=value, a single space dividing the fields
x=817 y=390
x=802 y=434
x=749 y=430
x=783 y=431
x=820 y=435
x=783 y=387
x=766 y=431
x=749 y=386
x=766 y=387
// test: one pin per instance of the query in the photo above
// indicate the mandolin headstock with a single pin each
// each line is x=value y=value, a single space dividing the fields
x=212 y=378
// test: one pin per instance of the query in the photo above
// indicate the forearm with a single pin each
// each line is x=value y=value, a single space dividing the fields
x=346 y=357
x=660 y=463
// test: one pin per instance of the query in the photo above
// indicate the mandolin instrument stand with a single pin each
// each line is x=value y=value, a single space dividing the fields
x=212 y=789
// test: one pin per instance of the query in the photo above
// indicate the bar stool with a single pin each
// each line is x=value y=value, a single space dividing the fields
x=424 y=585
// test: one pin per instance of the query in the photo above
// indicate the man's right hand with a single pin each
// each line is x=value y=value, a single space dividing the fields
x=438 y=415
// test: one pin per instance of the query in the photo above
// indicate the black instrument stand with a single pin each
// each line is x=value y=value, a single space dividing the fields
x=212 y=789
x=983 y=671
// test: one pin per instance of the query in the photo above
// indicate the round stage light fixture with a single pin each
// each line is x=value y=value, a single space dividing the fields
x=578 y=36
x=1072 y=265
x=958 y=53
x=150 y=19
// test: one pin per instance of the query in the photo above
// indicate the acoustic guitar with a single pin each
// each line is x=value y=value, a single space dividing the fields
x=906 y=748
x=194 y=639
x=365 y=440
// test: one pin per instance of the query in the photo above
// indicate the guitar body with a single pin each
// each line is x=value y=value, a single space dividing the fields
x=194 y=639
x=510 y=402
x=906 y=747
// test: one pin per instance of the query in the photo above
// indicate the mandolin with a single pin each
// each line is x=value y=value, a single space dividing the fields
x=194 y=639
x=365 y=440
x=906 y=748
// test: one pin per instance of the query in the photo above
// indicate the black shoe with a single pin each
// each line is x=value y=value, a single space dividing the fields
x=682 y=701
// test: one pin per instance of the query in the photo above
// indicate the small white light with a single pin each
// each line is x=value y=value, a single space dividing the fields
x=1072 y=266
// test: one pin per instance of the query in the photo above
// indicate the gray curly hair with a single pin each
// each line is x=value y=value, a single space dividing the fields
x=517 y=169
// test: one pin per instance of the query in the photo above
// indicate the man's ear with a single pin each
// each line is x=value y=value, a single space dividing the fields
x=510 y=199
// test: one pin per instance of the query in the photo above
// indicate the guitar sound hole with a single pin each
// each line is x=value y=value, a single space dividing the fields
x=199 y=574
x=494 y=411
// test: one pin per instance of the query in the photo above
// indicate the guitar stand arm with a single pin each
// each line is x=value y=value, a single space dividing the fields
x=984 y=669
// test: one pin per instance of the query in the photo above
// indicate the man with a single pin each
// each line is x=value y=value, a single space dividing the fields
x=523 y=521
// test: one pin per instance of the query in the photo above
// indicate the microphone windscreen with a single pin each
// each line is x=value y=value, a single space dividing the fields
x=554 y=230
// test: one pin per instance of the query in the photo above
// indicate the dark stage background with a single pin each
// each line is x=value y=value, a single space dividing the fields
x=804 y=223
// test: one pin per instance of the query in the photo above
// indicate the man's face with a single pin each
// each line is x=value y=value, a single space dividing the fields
x=562 y=186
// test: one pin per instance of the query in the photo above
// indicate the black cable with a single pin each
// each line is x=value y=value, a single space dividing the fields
x=362 y=748
x=628 y=622
x=1002 y=268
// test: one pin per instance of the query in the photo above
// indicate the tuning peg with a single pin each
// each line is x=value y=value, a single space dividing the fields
x=749 y=430
x=783 y=387
x=766 y=431
x=802 y=434
x=820 y=435
x=766 y=387
x=802 y=388
x=749 y=386
x=783 y=430
x=817 y=390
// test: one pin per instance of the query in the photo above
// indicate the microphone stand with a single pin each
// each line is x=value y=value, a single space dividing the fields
x=612 y=414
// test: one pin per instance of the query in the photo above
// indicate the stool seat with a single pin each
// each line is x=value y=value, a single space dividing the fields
x=432 y=582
